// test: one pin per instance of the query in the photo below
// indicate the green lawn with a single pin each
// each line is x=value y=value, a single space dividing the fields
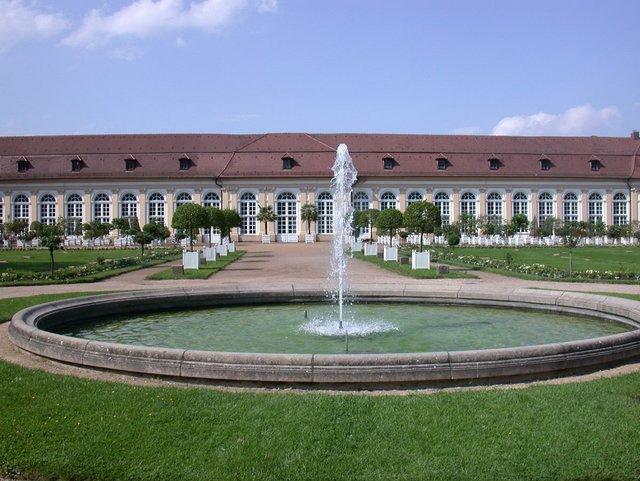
x=32 y=266
x=405 y=269
x=38 y=260
x=582 y=258
x=56 y=427
x=206 y=270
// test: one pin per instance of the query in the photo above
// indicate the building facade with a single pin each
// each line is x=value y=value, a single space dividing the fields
x=102 y=177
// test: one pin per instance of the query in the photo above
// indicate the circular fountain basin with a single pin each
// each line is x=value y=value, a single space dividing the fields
x=30 y=327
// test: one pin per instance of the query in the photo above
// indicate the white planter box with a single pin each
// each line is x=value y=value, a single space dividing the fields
x=421 y=260
x=356 y=246
x=390 y=253
x=371 y=249
x=231 y=247
x=191 y=260
x=210 y=254
x=266 y=239
x=222 y=250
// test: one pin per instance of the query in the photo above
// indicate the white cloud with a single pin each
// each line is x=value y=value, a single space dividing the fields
x=20 y=21
x=147 y=18
x=268 y=6
x=581 y=120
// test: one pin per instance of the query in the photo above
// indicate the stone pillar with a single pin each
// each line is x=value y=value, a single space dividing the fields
x=402 y=200
x=88 y=208
x=482 y=204
x=115 y=204
x=608 y=207
x=507 y=206
x=533 y=206
x=583 y=205
x=142 y=208
x=634 y=205
x=34 y=205
x=455 y=206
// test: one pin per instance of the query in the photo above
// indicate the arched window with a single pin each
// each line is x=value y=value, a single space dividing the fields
x=520 y=204
x=468 y=204
x=211 y=200
x=388 y=200
x=48 y=209
x=620 y=209
x=414 y=197
x=494 y=207
x=248 y=213
x=183 y=198
x=361 y=201
x=128 y=206
x=442 y=201
x=286 y=214
x=595 y=207
x=74 y=215
x=545 y=207
x=570 y=207
x=21 y=207
x=156 y=208
x=324 y=206
x=102 y=208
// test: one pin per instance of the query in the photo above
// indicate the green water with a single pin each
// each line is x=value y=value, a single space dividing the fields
x=403 y=328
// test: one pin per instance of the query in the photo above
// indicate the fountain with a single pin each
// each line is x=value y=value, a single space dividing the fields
x=33 y=329
x=344 y=176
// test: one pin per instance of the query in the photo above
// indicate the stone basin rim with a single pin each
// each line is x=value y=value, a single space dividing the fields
x=347 y=370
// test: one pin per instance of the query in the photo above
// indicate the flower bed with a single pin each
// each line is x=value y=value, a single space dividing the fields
x=84 y=271
x=540 y=270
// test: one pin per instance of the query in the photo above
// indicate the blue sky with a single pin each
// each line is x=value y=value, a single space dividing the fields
x=544 y=67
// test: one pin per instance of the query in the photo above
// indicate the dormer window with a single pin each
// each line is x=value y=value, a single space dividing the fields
x=443 y=162
x=23 y=164
x=76 y=164
x=494 y=163
x=130 y=163
x=595 y=164
x=545 y=163
x=185 y=163
x=388 y=162
x=287 y=162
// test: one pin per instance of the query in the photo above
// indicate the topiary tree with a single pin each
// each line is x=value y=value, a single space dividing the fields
x=389 y=221
x=214 y=220
x=51 y=236
x=421 y=218
x=17 y=229
x=95 y=229
x=366 y=219
x=123 y=225
x=227 y=220
x=190 y=218
x=518 y=223
x=150 y=232
x=308 y=214
x=266 y=215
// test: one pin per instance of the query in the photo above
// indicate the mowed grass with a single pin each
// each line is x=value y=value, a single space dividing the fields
x=406 y=270
x=206 y=270
x=582 y=258
x=38 y=260
x=57 y=427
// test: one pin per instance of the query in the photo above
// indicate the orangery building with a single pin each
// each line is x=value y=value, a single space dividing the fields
x=82 y=178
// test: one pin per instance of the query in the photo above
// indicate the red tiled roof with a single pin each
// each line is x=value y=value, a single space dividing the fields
x=260 y=156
